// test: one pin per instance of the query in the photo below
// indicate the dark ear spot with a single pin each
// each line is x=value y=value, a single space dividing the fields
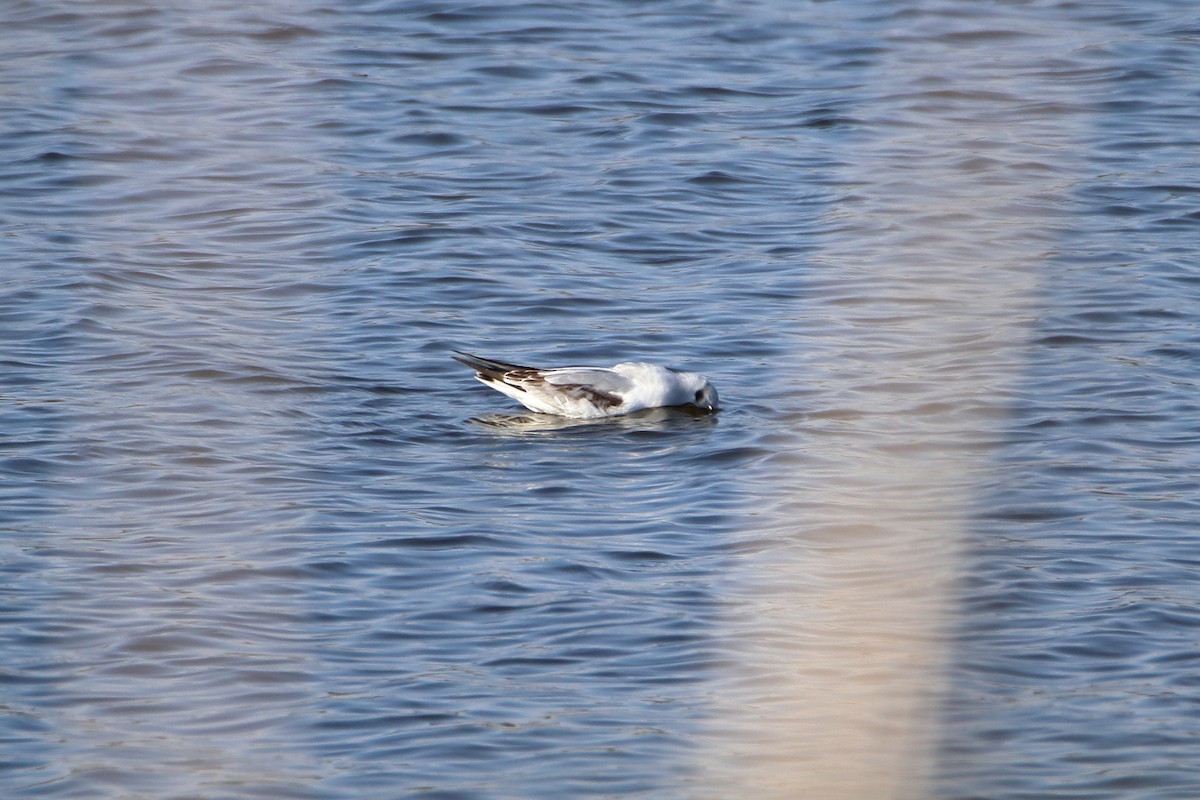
x=699 y=394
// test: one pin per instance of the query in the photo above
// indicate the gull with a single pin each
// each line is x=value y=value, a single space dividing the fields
x=592 y=392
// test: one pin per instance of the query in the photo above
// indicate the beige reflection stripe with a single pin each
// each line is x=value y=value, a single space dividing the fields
x=838 y=626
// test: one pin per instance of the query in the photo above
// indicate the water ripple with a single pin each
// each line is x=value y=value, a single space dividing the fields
x=264 y=539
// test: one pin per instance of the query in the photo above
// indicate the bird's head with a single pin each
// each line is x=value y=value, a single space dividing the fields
x=704 y=394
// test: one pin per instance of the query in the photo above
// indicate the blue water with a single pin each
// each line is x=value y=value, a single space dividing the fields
x=263 y=538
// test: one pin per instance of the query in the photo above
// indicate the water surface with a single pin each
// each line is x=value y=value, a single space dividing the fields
x=263 y=538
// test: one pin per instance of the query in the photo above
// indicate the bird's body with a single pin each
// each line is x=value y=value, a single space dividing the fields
x=591 y=392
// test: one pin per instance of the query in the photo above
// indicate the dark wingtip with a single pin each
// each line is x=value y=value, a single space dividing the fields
x=484 y=364
x=466 y=359
x=487 y=370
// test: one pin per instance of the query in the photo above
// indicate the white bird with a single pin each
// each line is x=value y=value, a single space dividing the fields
x=591 y=392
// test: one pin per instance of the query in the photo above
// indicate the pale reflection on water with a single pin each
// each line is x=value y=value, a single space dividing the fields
x=840 y=625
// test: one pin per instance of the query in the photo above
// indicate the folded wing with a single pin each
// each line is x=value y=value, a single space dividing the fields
x=570 y=391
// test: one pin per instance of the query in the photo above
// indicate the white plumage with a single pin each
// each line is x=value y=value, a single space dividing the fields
x=590 y=392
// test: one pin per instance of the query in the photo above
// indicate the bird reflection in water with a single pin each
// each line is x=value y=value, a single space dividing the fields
x=651 y=419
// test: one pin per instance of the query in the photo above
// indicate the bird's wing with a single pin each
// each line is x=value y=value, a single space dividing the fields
x=571 y=390
x=600 y=379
